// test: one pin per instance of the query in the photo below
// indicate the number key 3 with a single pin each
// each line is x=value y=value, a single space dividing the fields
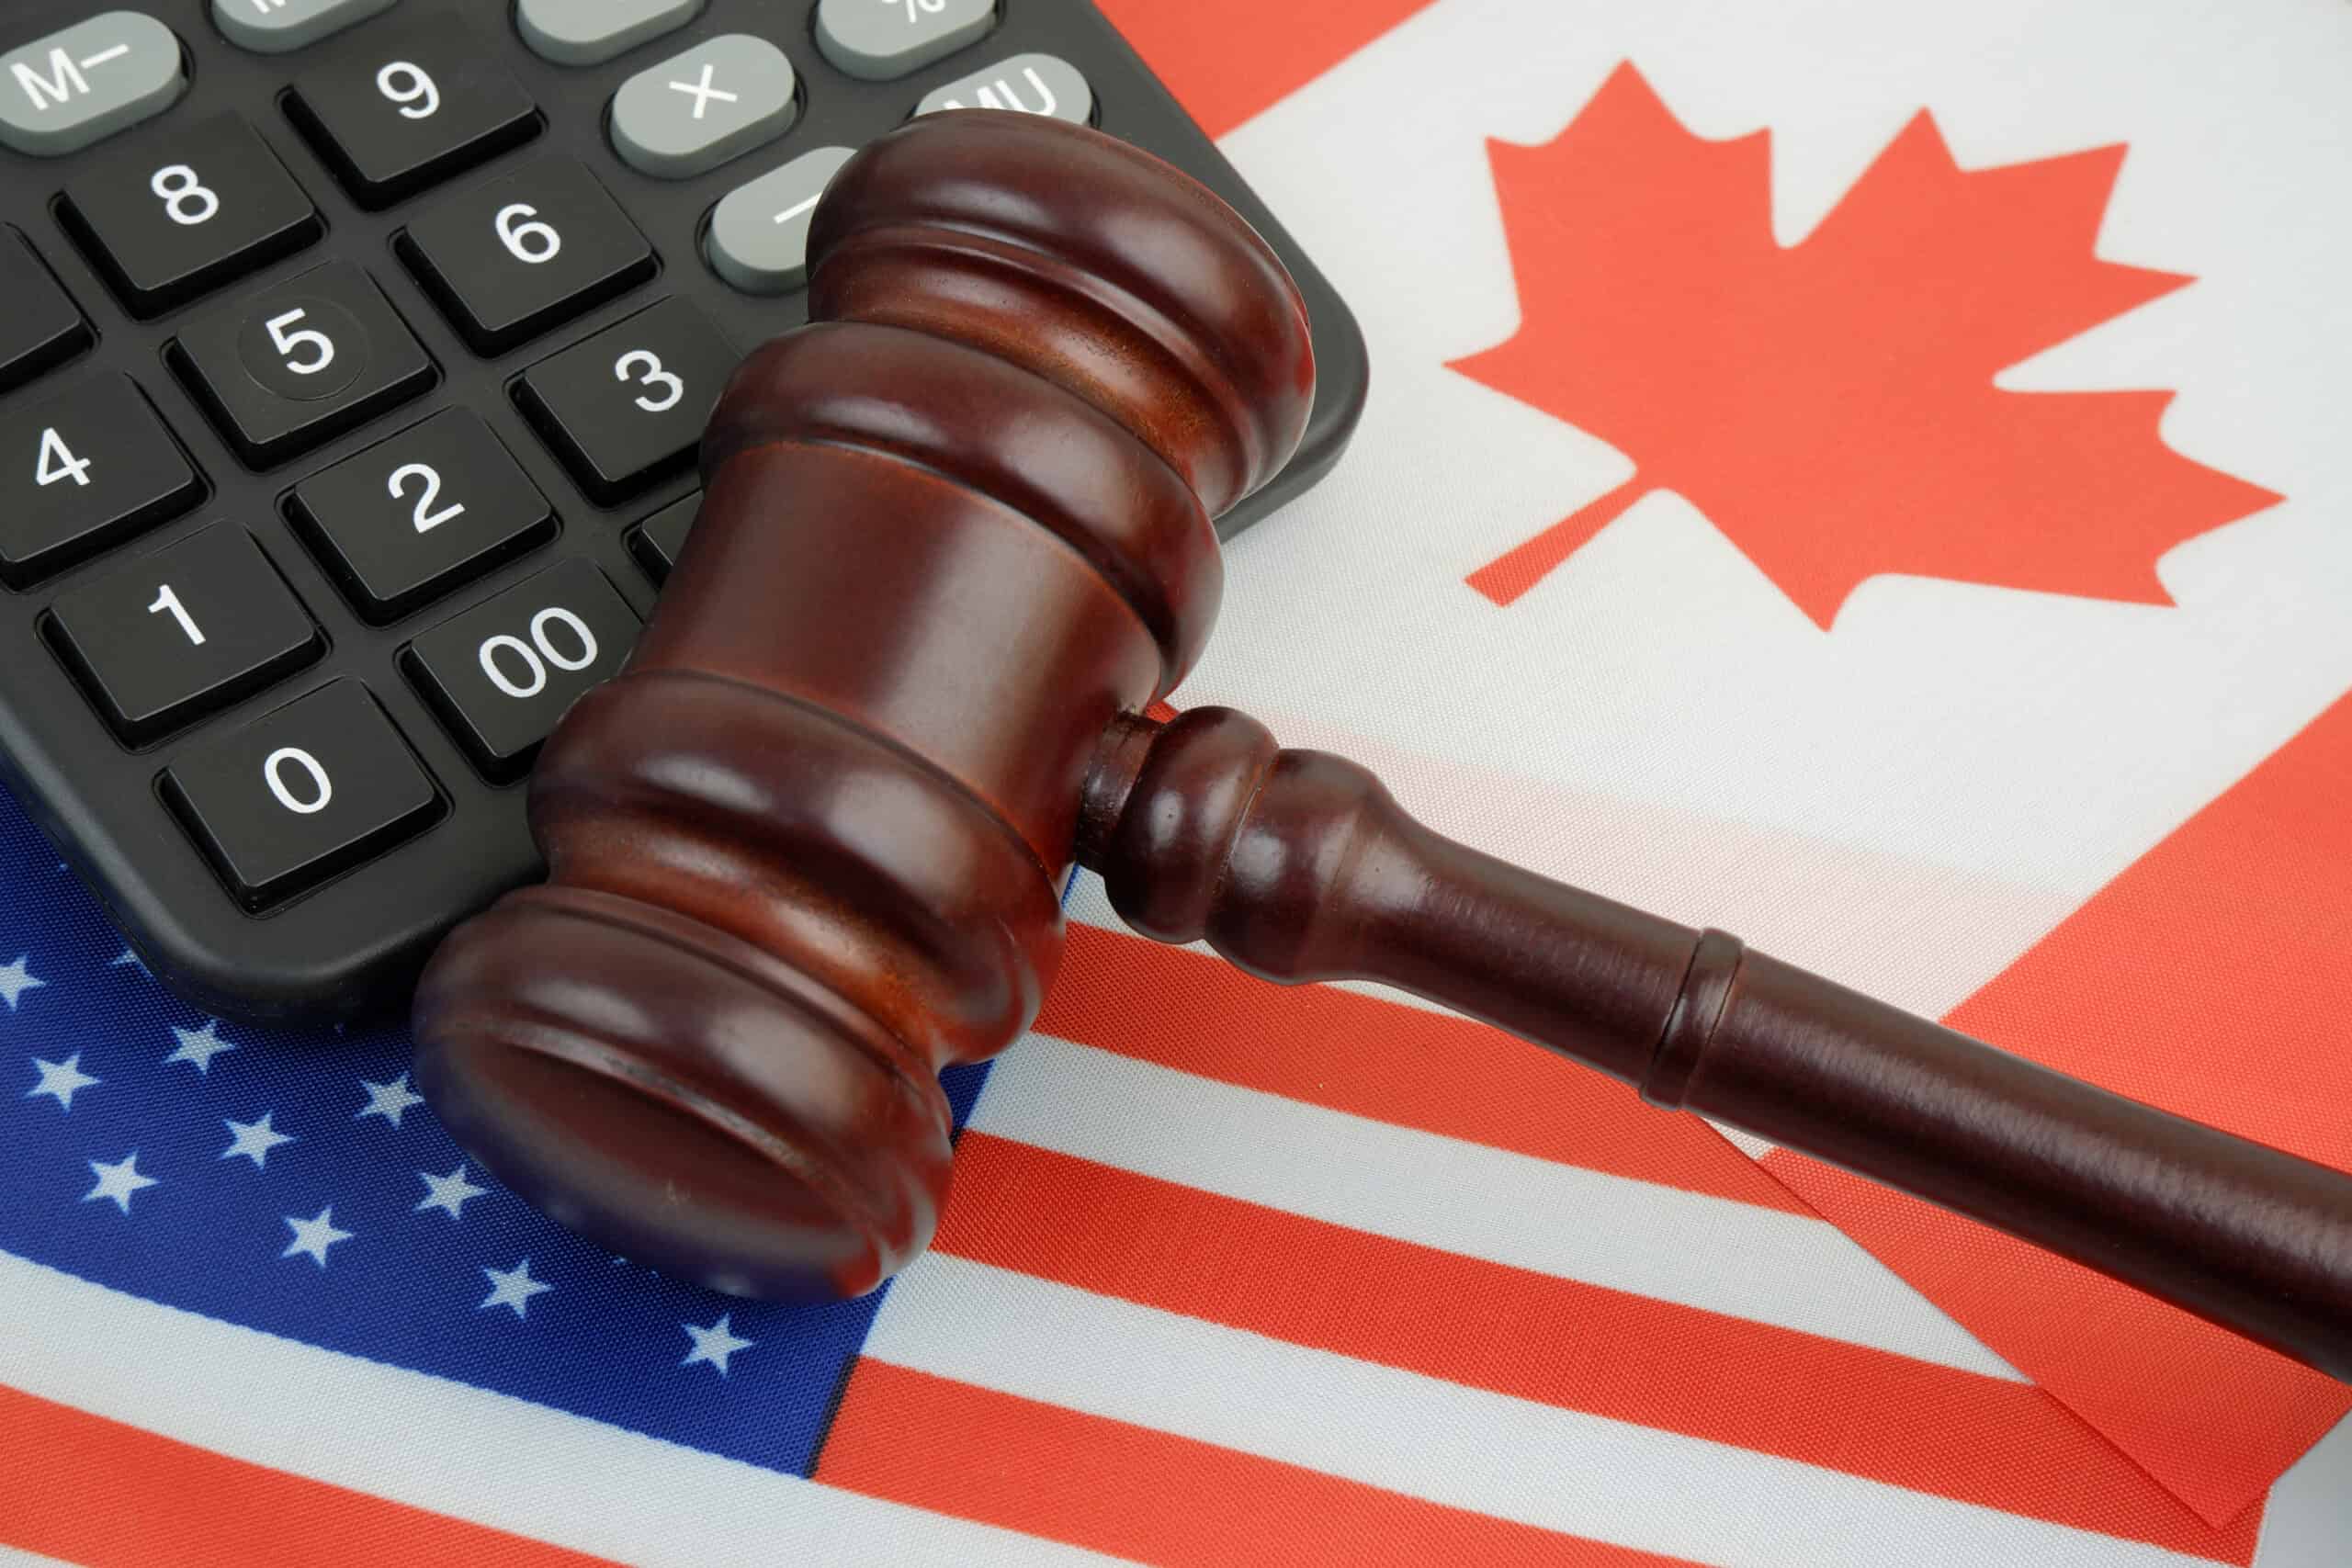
x=512 y=257
x=165 y=221
x=192 y=628
x=627 y=406
x=425 y=100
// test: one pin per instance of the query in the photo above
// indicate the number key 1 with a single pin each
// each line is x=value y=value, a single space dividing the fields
x=425 y=100
x=189 y=629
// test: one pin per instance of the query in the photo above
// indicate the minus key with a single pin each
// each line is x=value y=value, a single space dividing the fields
x=759 y=232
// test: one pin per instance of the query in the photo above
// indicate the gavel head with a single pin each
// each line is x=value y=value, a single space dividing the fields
x=807 y=849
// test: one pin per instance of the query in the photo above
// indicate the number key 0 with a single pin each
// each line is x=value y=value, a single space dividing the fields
x=300 y=793
x=526 y=251
x=174 y=635
x=502 y=672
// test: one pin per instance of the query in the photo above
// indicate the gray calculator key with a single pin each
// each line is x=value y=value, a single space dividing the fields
x=1032 y=84
x=60 y=92
x=588 y=32
x=879 y=40
x=273 y=26
x=759 y=234
x=695 y=110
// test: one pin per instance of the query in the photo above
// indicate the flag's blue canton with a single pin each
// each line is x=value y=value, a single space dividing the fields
x=291 y=1182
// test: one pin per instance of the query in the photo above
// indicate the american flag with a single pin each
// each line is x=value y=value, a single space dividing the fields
x=1240 y=1275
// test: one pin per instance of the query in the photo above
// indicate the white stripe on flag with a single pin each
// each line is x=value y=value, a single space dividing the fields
x=456 y=1450
x=1464 y=1448
x=1761 y=1264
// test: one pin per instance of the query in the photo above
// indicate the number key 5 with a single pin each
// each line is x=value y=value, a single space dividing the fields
x=165 y=221
x=514 y=257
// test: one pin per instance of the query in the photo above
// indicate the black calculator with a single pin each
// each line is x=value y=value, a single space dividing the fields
x=352 y=358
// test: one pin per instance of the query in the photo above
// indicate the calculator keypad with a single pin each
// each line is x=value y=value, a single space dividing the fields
x=301 y=362
x=41 y=327
x=425 y=101
x=300 y=793
x=502 y=672
x=412 y=518
x=627 y=406
x=167 y=221
x=83 y=469
x=176 y=634
x=529 y=250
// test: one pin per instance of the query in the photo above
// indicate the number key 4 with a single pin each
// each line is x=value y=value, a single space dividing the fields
x=86 y=469
x=165 y=221
x=514 y=257
x=425 y=100
x=300 y=363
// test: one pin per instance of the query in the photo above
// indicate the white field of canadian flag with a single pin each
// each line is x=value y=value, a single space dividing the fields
x=1239 y=1275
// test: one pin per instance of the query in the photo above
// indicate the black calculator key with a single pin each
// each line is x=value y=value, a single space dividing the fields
x=627 y=406
x=194 y=626
x=41 y=328
x=301 y=362
x=166 y=218
x=295 y=797
x=502 y=672
x=414 y=517
x=526 y=251
x=657 y=540
x=80 y=470
x=423 y=100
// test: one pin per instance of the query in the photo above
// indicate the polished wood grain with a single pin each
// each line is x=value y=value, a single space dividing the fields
x=805 y=851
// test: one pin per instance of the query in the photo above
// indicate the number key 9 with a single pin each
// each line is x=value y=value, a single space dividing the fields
x=424 y=101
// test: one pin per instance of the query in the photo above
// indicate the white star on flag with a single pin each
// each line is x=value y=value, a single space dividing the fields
x=128 y=956
x=253 y=1139
x=716 y=1343
x=448 y=1194
x=312 y=1238
x=511 y=1287
x=389 y=1101
x=62 y=1081
x=199 y=1045
x=118 y=1180
x=15 y=980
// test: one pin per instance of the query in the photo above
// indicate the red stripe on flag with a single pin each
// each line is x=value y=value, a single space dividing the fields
x=2209 y=978
x=1134 y=1492
x=1629 y=1357
x=1382 y=1061
x=96 y=1492
x=1225 y=60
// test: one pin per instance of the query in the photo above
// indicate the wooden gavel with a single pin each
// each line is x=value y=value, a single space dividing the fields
x=805 y=850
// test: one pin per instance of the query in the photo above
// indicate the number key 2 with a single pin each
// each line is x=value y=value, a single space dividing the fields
x=300 y=363
x=413 y=516
x=190 y=628
x=627 y=406
x=300 y=793
x=86 y=468
x=425 y=100
x=502 y=672
x=165 y=220
x=526 y=251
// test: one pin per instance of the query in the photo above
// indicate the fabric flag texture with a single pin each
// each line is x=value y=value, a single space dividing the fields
x=1862 y=476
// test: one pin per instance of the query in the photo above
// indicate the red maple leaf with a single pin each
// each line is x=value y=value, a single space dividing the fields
x=1831 y=404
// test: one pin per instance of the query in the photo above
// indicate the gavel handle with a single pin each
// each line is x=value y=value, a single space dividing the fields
x=1297 y=865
